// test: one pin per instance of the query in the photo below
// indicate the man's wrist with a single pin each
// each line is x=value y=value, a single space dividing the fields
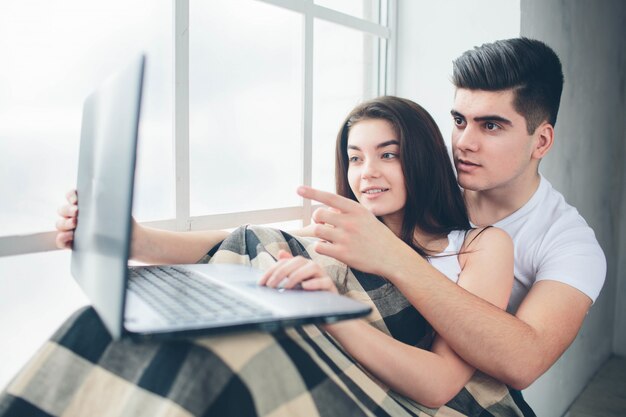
x=403 y=262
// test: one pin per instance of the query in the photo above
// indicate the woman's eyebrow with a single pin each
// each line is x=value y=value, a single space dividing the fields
x=380 y=145
x=387 y=143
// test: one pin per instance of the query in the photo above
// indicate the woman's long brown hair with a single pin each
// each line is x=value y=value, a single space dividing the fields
x=434 y=202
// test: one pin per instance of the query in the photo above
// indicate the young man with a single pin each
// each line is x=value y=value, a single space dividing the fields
x=505 y=107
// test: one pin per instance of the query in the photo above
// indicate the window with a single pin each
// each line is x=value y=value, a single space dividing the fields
x=53 y=54
x=245 y=90
x=345 y=73
x=242 y=102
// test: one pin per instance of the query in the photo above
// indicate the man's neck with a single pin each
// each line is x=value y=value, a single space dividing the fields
x=487 y=207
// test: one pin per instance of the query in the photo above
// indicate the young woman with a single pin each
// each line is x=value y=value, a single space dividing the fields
x=392 y=160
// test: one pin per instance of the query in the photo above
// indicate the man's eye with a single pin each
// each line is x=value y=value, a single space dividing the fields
x=458 y=121
x=491 y=126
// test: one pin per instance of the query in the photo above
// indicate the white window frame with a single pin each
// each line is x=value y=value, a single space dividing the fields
x=183 y=221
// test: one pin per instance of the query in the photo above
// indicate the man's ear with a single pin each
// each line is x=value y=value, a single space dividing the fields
x=544 y=138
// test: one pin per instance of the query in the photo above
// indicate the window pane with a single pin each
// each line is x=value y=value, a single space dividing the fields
x=346 y=73
x=364 y=9
x=54 y=53
x=245 y=106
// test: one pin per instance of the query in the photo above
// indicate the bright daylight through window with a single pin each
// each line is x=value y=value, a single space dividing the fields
x=242 y=102
x=261 y=85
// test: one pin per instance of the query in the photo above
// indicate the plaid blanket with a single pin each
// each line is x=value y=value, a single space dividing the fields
x=300 y=371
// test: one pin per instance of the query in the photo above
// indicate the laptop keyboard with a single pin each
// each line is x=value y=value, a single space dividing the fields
x=183 y=297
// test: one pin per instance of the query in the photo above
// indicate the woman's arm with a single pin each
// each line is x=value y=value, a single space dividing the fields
x=431 y=378
x=155 y=246
x=148 y=245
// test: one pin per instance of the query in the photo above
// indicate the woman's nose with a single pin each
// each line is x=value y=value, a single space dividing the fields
x=370 y=169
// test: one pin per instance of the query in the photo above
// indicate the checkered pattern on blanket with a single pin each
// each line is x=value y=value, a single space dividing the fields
x=296 y=372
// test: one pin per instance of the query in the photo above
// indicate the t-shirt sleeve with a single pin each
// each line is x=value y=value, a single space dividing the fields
x=573 y=256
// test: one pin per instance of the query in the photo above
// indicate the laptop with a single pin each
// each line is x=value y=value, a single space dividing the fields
x=164 y=301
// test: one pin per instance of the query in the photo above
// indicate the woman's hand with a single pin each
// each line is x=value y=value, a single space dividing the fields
x=66 y=223
x=68 y=219
x=290 y=271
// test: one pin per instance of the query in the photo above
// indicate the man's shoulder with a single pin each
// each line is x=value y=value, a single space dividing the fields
x=547 y=211
x=557 y=214
x=548 y=229
x=554 y=242
x=555 y=210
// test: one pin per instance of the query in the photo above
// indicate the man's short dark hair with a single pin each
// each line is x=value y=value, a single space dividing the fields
x=527 y=66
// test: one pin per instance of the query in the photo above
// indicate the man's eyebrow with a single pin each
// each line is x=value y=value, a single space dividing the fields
x=494 y=118
x=380 y=145
x=486 y=118
x=455 y=113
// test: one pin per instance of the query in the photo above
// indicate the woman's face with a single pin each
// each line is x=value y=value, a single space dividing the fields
x=374 y=169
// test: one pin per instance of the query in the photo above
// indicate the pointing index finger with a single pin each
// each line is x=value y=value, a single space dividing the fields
x=338 y=202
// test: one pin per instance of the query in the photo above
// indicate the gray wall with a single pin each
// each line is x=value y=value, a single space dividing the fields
x=587 y=166
x=587 y=161
x=619 y=334
x=432 y=34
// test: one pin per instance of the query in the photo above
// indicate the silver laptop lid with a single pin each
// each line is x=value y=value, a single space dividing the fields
x=105 y=191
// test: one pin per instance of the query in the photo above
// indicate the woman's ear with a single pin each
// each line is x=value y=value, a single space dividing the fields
x=544 y=138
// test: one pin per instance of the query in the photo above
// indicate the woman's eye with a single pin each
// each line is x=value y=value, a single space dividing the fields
x=389 y=155
x=353 y=159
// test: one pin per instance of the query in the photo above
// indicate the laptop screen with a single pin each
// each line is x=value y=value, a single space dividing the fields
x=106 y=171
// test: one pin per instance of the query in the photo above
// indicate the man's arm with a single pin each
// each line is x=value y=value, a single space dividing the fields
x=514 y=349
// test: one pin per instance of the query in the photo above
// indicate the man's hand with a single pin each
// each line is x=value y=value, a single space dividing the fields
x=351 y=234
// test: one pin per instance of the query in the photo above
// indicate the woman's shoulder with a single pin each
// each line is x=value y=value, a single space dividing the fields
x=483 y=237
x=487 y=264
x=483 y=243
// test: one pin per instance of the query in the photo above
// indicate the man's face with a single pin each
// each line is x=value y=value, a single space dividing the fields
x=490 y=144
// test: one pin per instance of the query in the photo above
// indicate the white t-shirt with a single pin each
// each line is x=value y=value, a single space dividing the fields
x=447 y=262
x=553 y=242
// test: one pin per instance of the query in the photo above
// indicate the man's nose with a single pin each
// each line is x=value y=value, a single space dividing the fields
x=467 y=139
